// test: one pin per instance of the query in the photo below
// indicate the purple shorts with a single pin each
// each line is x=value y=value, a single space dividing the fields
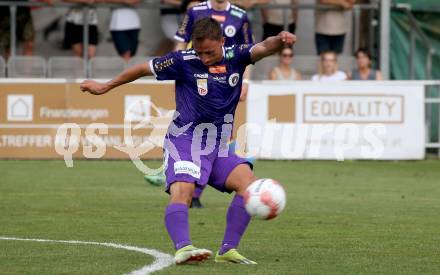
x=200 y=164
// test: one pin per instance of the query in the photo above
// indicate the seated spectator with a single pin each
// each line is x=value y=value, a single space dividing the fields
x=328 y=68
x=273 y=22
x=284 y=70
x=24 y=29
x=364 y=70
x=73 y=33
x=332 y=25
x=124 y=27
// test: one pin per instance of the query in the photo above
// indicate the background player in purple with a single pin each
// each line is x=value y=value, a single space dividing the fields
x=233 y=21
x=207 y=93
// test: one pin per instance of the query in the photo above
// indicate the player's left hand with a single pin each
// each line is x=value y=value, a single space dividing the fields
x=288 y=38
x=93 y=87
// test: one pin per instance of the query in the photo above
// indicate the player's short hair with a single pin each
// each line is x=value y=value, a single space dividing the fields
x=206 y=28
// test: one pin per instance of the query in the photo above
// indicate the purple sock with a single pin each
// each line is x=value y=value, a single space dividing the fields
x=198 y=192
x=176 y=222
x=237 y=220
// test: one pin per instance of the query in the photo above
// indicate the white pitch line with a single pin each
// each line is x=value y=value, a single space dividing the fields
x=161 y=260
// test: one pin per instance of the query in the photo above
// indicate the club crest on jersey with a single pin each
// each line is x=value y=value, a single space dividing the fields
x=202 y=86
x=233 y=79
x=230 y=31
x=221 y=69
x=219 y=18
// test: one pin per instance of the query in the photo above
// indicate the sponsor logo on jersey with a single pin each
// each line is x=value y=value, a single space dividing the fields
x=188 y=168
x=163 y=65
x=221 y=69
x=230 y=31
x=190 y=57
x=219 y=18
x=233 y=79
x=229 y=55
x=202 y=86
x=199 y=8
x=244 y=46
x=236 y=13
x=201 y=75
x=220 y=79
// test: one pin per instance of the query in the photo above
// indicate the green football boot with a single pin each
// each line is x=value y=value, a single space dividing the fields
x=191 y=254
x=232 y=256
x=156 y=180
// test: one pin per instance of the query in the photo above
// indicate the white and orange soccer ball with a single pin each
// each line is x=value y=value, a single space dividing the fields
x=265 y=199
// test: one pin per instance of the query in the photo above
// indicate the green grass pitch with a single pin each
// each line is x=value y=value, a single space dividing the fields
x=341 y=218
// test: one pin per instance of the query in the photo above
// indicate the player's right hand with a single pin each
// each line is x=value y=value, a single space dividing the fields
x=93 y=87
x=287 y=38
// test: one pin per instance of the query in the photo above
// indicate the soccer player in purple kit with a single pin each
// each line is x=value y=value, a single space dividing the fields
x=208 y=82
x=236 y=30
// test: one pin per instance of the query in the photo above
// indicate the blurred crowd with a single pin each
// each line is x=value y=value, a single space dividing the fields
x=331 y=27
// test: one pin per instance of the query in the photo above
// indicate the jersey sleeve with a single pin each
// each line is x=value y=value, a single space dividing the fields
x=243 y=53
x=184 y=31
x=167 y=67
x=246 y=31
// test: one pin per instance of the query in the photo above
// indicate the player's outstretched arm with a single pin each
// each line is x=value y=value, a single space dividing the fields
x=129 y=75
x=272 y=45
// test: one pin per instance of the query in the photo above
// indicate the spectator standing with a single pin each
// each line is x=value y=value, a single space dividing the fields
x=24 y=28
x=273 y=19
x=124 y=27
x=284 y=70
x=73 y=33
x=364 y=69
x=328 y=68
x=331 y=25
x=169 y=21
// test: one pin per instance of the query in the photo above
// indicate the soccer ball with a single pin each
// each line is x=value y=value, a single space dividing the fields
x=265 y=199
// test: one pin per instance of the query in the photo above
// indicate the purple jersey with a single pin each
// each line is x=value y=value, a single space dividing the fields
x=204 y=94
x=234 y=22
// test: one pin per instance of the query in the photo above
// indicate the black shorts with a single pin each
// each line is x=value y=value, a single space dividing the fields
x=333 y=43
x=73 y=34
x=25 y=27
x=126 y=41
